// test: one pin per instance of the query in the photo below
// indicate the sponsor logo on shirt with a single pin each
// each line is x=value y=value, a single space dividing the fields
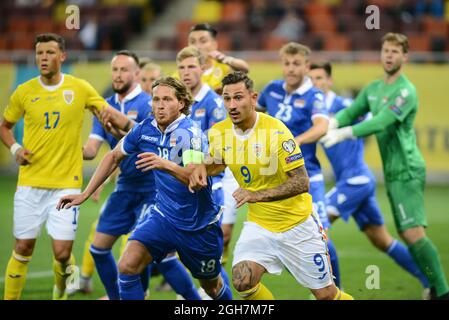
x=200 y=113
x=257 y=148
x=35 y=99
x=395 y=109
x=293 y=158
x=399 y=101
x=68 y=96
x=149 y=138
x=227 y=148
x=275 y=95
x=372 y=98
x=289 y=145
x=404 y=93
x=299 y=103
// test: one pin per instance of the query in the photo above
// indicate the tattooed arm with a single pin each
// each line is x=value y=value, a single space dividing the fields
x=297 y=183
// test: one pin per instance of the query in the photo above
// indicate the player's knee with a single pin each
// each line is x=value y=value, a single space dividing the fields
x=127 y=266
x=62 y=256
x=24 y=248
x=327 y=293
x=240 y=281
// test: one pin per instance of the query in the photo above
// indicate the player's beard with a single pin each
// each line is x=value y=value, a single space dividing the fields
x=393 y=70
x=123 y=89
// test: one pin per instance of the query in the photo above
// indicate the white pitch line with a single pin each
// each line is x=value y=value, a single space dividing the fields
x=35 y=275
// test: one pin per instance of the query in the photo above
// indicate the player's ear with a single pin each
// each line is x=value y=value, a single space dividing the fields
x=63 y=56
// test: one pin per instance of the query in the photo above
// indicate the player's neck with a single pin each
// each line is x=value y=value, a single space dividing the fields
x=391 y=78
x=291 y=88
x=51 y=80
x=196 y=89
x=208 y=63
x=122 y=96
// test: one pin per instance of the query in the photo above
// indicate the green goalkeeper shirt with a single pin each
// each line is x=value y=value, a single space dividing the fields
x=394 y=108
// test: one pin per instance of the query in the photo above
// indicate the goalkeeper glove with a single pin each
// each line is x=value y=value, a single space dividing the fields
x=336 y=136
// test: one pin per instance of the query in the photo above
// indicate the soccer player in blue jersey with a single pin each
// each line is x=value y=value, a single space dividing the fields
x=134 y=191
x=354 y=193
x=180 y=220
x=296 y=102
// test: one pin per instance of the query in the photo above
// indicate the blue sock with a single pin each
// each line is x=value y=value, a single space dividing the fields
x=130 y=287
x=400 y=254
x=225 y=293
x=145 y=277
x=225 y=277
x=178 y=278
x=107 y=270
x=334 y=262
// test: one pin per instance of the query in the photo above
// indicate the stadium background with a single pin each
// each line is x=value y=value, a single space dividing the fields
x=334 y=29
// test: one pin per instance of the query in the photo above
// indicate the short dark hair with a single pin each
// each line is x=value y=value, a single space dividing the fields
x=325 y=65
x=204 y=27
x=236 y=77
x=181 y=91
x=47 y=37
x=129 y=54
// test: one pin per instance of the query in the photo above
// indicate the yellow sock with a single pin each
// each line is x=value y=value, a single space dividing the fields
x=16 y=272
x=259 y=292
x=342 y=295
x=62 y=273
x=225 y=255
x=123 y=244
x=88 y=264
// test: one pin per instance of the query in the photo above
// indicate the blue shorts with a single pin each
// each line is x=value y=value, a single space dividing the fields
x=356 y=200
x=318 y=192
x=200 y=251
x=121 y=211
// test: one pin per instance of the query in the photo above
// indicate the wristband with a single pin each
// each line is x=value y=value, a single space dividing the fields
x=14 y=148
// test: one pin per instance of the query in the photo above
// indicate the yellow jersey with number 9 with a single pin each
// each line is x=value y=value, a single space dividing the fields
x=260 y=160
x=53 y=119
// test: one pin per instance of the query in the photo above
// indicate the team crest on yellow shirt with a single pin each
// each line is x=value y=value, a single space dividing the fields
x=257 y=149
x=68 y=96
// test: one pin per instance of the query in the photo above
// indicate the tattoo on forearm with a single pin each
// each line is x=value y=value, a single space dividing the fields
x=297 y=183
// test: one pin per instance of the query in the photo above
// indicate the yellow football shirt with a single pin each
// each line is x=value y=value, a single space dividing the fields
x=259 y=160
x=53 y=119
x=213 y=75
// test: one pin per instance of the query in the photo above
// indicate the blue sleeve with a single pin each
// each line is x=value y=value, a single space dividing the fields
x=318 y=105
x=131 y=140
x=262 y=100
x=144 y=110
x=216 y=112
x=97 y=129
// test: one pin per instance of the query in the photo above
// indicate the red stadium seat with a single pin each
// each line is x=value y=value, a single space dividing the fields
x=273 y=43
x=336 y=42
x=419 y=42
x=233 y=11
x=435 y=27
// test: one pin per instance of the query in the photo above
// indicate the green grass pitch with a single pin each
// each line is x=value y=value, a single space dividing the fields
x=354 y=250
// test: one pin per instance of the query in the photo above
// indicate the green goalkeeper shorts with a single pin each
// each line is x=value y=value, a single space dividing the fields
x=407 y=203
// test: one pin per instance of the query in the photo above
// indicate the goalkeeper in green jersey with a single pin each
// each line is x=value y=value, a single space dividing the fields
x=394 y=103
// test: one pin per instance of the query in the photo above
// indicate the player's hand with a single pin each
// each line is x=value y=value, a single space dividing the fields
x=116 y=132
x=243 y=196
x=217 y=55
x=71 y=200
x=198 y=178
x=336 y=136
x=23 y=157
x=149 y=160
x=333 y=124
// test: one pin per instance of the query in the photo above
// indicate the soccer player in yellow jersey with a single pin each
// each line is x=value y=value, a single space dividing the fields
x=282 y=230
x=53 y=107
x=218 y=65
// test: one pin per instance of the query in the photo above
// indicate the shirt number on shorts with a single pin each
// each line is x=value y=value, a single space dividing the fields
x=246 y=174
x=319 y=262
x=75 y=216
x=47 y=119
x=207 y=267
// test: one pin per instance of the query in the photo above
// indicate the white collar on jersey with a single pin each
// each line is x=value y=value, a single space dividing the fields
x=305 y=86
x=136 y=91
x=172 y=126
x=245 y=135
x=54 y=87
x=202 y=93
x=330 y=97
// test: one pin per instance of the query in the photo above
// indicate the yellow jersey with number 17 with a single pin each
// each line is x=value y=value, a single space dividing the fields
x=260 y=160
x=53 y=119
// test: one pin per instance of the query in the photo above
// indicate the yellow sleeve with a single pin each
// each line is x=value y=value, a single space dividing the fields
x=15 y=108
x=215 y=144
x=93 y=100
x=289 y=153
